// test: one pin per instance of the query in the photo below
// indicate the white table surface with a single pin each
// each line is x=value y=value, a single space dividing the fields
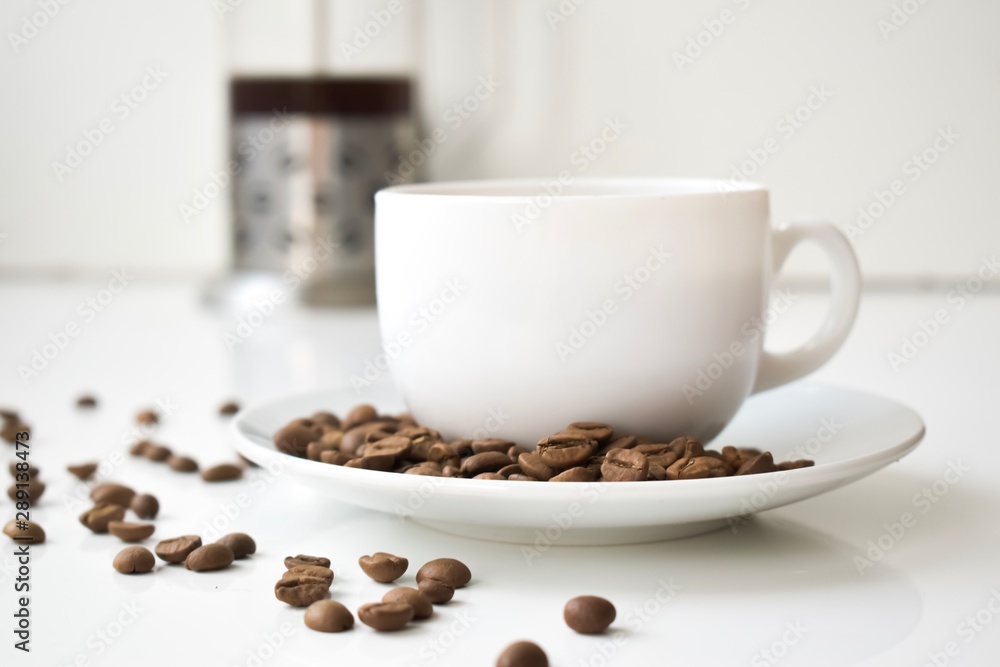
x=736 y=595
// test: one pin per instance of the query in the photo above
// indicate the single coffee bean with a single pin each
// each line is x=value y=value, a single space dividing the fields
x=147 y=417
x=11 y=429
x=300 y=590
x=317 y=571
x=134 y=560
x=9 y=415
x=443 y=454
x=428 y=468
x=512 y=469
x=395 y=446
x=182 y=463
x=437 y=591
x=490 y=475
x=224 y=472
x=657 y=472
x=422 y=607
x=130 y=532
x=564 y=451
x=625 y=465
x=241 y=544
x=26 y=532
x=293 y=438
x=314 y=450
x=86 y=401
x=385 y=616
x=177 y=549
x=522 y=478
x=491 y=445
x=622 y=442
x=145 y=506
x=664 y=460
x=156 y=452
x=82 y=471
x=602 y=433
x=301 y=559
x=699 y=467
x=209 y=557
x=337 y=457
x=108 y=492
x=328 y=616
x=419 y=435
x=100 y=515
x=30 y=491
x=533 y=466
x=759 y=464
x=578 y=474
x=795 y=465
x=229 y=408
x=383 y=567
x=360 y=414
x=523 y=654
x=326 y=420
x=449 y=570
x=589 y=614
x=380 y=462
x=484 y=462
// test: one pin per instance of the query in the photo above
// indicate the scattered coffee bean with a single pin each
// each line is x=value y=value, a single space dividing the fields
x=229 y=408
x=108 y=492
x=386 y=616
x=566 y=450
x=134 y=560
x=156 y=452
x=147 y=418
x=31 y=532
x=453 y=572
x=177 y=549
x=100 y=515
x=437 y=591
x=523 y=654
x=86 y=401
x=300 y=590
x=382 y=567
x=301 y=559
x=625 y=465
x=328 y=616
x=11 y=429
x=139 y=447
x=589 y=614
x=82 y=471
x=9 y=415
x=30 y=491
x=182 y=463
x=241 y=544
x=422 y=607
x=145 y=506
x=317 y=571
x=209 y=557
x=130 y=532
x=223 y=472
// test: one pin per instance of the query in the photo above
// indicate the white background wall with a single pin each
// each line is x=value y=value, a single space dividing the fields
x=890 y=94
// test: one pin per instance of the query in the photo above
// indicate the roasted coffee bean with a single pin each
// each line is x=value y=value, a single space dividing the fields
x=224 y=472
x=82 y=471
x=623 y=442
x=138 y=447
x=442 y=453
x=698 y=467
x=134 y=560
x=316 y=571
x=657 y=472
x=327 y=420
x=654 y=449
x=533 y=466
x=177 y=549
x=100 y=515
x=383 y=567
x=118 y=494
x=209 y=557
x=795 y=465
x=182 y=464
x=24 y=532
x=564 y=451
x=454 y=572
x=302 y=559
x=86 y=401
x=602 y=433
x=130 y=532
x=428 y=468
x=380 y=462
x=512 y=469
x=360 y=414
x=491 y=445
x=523 y=654
x=11 y=429
x=353 y=438
x=521 y=478
x=157 y=453
x=385 y=616
x=625 y=465
x=578 y=474
x=147 y=417
x=396 y=446
x=589 y=614
x=30 y=491
x=21 y=467
x=145 y=506
x=241 y=544
x=759 y=464
x=422 y=607
x=485 y=462
x=9 y=415
x=419 y=434
x=437 y=591
x=490 y=475
x=229 y=408
x=664 y=460
x=337 y=458
x=300 y=590
x=328 y=616
x=294 y=437
x=314 y=450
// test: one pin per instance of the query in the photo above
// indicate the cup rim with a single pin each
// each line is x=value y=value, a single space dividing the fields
x=529 y=189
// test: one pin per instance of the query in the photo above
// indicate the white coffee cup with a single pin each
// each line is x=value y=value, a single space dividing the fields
x=512 y=308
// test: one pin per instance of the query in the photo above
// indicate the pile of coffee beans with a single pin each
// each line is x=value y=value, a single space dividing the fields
x=306 y=580
x=581 y=452
x=111 y=501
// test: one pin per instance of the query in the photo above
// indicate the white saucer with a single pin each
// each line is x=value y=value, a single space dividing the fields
x=848 y=433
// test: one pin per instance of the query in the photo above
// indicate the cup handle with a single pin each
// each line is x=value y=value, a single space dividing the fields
x=845 y=293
